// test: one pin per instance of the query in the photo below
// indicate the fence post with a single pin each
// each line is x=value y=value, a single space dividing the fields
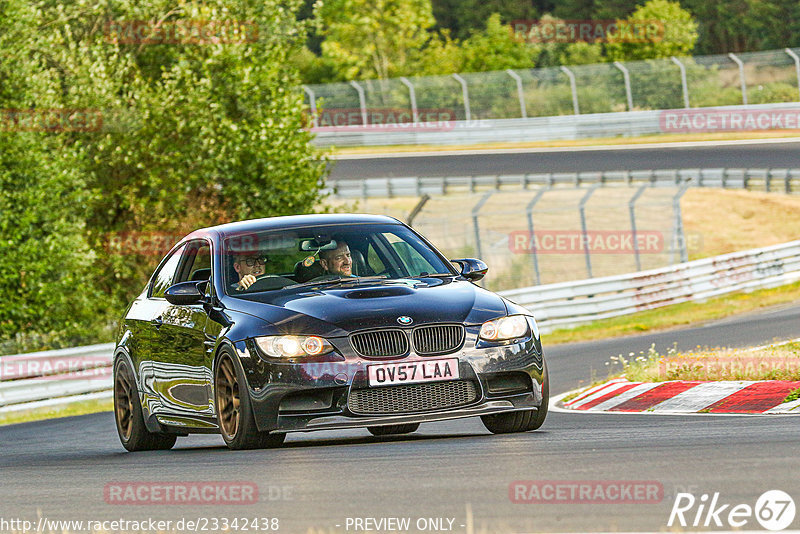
x=796 y=65
x=678 y=235
x=584 y=230
x=476 y=224
x=627 y=78
x=574 y=88
x=313 y=105
x=632 y=212
x=684 y=84
x=418 y=208
x=741 y=76
x=520 y=93
x=529 y=214
x=362 y=102
x=465 y=94
x=412 y=95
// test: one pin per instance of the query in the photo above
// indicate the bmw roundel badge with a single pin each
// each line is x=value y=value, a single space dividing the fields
x=405 y=320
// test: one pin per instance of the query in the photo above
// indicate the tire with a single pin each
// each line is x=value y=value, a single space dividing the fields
x=389 y=430
x=520 y=421
x=234 y=410
x=133 y=433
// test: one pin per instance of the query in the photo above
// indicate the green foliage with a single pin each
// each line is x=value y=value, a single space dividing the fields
x=464 y=17
x=491 y=48
x=495 y=48
x=679 y=33
x=772 y=92
x=373 y=38
x=190 y=134
x=563 y=53
x=742 y=25
x=46 y=285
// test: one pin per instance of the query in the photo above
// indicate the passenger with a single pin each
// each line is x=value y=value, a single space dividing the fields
x=337 y=262
x=249 y=268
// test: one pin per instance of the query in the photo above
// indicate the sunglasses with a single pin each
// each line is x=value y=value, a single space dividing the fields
x=251 y=262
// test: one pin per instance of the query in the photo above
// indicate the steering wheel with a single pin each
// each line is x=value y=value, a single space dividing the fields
x=266 y=282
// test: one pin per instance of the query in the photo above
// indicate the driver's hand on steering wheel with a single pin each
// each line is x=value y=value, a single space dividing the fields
x=246 y=281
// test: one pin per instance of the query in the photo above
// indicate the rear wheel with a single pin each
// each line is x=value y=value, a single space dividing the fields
x=235 y=416
x=389 y=430
x=520 y=421
x=128 y=414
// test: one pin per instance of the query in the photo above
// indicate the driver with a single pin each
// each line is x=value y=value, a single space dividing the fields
x=337 y=262
x=248 y=267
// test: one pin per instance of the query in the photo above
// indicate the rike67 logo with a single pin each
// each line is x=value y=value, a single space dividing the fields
x=774 y=510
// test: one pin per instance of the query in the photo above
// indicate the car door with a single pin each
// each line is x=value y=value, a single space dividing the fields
x=181 y=378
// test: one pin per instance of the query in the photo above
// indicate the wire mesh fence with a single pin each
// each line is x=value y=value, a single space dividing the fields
x=671 y=83
x=549 y=234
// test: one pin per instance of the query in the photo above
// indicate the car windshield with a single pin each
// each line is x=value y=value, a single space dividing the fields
x=336 y=254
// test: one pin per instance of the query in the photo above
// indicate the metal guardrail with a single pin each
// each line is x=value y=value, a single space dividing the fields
x=70 y=374
x=26 y=379
x=552 y=128
x=779 y=180
x=574 y=303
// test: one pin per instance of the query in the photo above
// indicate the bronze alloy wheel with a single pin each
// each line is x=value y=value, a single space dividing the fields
x=123 y=404
x=132 y=431
x=228 y=396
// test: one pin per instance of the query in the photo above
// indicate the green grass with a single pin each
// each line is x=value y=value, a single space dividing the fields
x=76 y=408
x=676 y=315
x=793 y=396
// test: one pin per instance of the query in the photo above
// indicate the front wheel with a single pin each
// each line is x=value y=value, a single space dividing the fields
x=389 y=430
x=520 y=421
x=235 y=417
x=133 y=434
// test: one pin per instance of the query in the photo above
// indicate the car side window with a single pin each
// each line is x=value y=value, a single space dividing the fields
x=198 y=263
x=166 y=275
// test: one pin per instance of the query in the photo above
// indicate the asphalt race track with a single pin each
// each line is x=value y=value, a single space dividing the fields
x=759 y=155
x=316 y=481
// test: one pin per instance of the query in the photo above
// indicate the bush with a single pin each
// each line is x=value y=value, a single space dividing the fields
x=191 y=134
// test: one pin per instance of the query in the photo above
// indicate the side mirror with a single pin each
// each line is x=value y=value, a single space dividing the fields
x=472 y=269
x=185 y=293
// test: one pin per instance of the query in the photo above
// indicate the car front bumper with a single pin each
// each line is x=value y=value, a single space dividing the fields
x=309 y=396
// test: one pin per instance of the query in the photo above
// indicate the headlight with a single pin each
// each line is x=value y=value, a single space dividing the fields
x=293 y=346
x=504 y=328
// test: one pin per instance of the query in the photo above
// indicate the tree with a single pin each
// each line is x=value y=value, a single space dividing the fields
x=675 y=33
x=373 y=38
x=463 y=17
x=191 y=128
x=567 y=53
x=496 y=48
x=46 y=283
x=744 y=25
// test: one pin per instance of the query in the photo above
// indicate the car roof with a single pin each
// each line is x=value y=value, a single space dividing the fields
x=289 y=221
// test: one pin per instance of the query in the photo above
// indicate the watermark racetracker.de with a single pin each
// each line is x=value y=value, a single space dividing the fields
x=709 y=368
x=596 y=242
x=585 y=492
x=180 y=32
x=589 y=31
x=384 y=120
x=717 y=120
x=192 y=493
x=51 y=120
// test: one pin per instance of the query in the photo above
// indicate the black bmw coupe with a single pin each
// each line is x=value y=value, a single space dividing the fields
x=291 y=324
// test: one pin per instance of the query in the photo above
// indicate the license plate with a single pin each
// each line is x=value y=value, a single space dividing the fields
x=386 y=374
